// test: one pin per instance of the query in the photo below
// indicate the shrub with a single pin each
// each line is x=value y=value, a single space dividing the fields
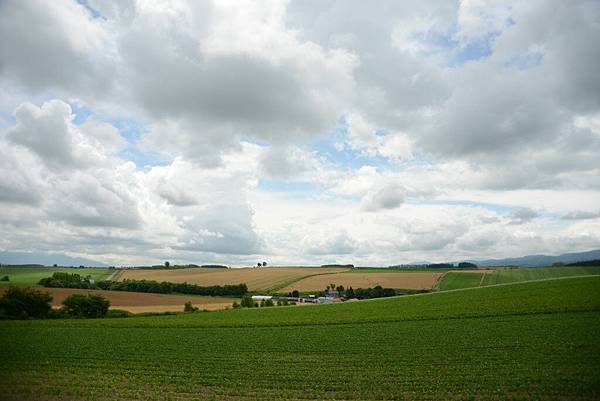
x=118 y=313
x=24 y=303
x=188 y=307
x=236 y=305
x=269 y=302
x=87 y=306
x=5 y=278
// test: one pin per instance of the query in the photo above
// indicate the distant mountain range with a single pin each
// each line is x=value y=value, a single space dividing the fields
x=540 y=260
x=46 y=259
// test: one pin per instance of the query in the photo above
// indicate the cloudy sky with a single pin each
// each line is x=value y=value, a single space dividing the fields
x=372 y=133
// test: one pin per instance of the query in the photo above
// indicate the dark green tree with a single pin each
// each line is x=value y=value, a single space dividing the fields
x=24 y=303
x=87 y=306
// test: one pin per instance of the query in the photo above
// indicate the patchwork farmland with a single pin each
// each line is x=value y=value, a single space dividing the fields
x=254 y=278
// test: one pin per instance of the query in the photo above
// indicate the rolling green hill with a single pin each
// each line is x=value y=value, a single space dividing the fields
x=535 y=340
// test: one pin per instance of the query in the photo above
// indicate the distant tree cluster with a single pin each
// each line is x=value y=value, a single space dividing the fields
x=368 y=293
x=338 y=265
x=461 y=265
x=467 y=265
x=261 y=264
x=165 y=287
x=595 y=262
x=67 y=280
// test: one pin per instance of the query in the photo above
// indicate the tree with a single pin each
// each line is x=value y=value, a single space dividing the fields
x=88 y=306
x=247 y=301
x=269 y=302
x=259 y=264
x=350 y=293
x=5 y=278
x=167 y=264
x=264 y=264
x=235 y=305
x=24 y=303
x=295 y=294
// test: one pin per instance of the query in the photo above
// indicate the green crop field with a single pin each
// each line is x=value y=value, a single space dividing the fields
x=29 y=276
x=455 y=280
x=525 y=341
x=452 y=280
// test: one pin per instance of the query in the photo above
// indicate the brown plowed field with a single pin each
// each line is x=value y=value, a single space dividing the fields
x=413 y=281
x=142 y=302
x=256 y=279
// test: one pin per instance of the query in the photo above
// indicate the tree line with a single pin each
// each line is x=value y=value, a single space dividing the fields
x=68 y=280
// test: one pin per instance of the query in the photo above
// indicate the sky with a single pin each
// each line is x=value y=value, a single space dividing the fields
x=299 y=132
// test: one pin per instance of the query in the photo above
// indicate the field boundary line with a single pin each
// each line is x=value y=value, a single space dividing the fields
x=112 y=276
x=438 y=282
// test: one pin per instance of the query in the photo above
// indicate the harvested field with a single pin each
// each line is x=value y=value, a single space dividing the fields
x=412 y=281
x=256 y=279
x=142 y=302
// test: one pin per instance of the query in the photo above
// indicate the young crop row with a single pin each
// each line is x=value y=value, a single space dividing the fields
x=512 y=357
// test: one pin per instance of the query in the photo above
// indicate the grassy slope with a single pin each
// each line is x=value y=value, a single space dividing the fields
x=524 y=341
x=455 y=280
x=29 y=276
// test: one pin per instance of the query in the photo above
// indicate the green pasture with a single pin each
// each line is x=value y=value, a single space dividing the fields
x=524 y=341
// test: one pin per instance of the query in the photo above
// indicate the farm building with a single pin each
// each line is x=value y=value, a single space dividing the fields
x=261 y=297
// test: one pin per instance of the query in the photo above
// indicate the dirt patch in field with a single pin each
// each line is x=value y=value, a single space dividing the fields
x=416 y=281
x=143 y=302
x=256 y=279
